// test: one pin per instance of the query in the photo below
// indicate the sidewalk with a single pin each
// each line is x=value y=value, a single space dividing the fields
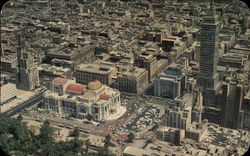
x=121 y=110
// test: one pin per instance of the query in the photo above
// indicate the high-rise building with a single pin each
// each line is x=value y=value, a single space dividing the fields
x=27 y=77
x=232 y=97
x=149 y=62
x=208 y=76
x=246 y=110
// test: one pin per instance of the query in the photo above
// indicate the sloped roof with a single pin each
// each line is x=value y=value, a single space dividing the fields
x=75 y=88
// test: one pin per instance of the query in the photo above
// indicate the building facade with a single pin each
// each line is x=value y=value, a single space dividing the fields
x=131 y=79
x=232 y=98
x=86 y=73
x=171 y=83
x=27 y=77
x=149 y=62
x=69 y=98
x=208 y=77
x=246 y=110
x=8 y=92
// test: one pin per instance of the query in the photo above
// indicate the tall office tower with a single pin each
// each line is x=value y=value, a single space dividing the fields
x=232 y=97
x=197 y=106
x=26 y=72
x=207 y=78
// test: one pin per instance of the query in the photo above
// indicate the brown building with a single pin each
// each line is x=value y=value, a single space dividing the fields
x=232 y=96
x=246 y=110
x=149 y=62
x=131 y=79
x=73 y=53
x=86 y=73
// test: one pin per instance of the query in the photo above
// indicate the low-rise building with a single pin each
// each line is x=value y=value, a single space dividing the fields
x=196 y=131
x=131 y=79
x=170 y=134
x=171 y=83
x=8 y=92
x=47 y=71
x=149 y=62
x=86 y=73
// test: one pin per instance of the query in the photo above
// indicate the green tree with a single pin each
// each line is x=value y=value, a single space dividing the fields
x=75 y=132
x=87 y=144
x=20 y=117
x=46 y=133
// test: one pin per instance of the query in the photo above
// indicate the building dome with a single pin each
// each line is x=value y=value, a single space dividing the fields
x=88 y=96
x=95 y=85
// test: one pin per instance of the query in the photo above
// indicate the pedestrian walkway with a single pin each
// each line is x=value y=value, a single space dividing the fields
x=118 y=114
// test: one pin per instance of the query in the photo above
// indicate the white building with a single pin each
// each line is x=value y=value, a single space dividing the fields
x=67 y=97
x=8 y=92
x=170 y=83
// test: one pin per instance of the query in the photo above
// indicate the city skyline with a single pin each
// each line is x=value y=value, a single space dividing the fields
x=125 y=77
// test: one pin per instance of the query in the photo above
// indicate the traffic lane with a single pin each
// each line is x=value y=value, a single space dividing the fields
x=22 y=106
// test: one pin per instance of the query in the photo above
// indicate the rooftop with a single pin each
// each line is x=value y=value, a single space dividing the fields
x=60 y=81
x=75 y=88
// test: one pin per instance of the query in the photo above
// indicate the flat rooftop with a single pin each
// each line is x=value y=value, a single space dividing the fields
x=95 y=68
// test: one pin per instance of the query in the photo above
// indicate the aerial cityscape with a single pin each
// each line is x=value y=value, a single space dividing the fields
x=125 y=78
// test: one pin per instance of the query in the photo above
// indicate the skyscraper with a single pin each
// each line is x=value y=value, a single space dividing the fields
x=208 y=76
x=27 y=77
x=232 y=97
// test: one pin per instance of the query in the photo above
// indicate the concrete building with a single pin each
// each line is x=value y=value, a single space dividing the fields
x=178 y=113
x=76 y=54
x=27 y=77
x=208 y=77
x=232 y=60
x=170 y=134
x=196 y=131
x=171 y=83
x=232 y=98
x=246 y=110
x=8 y=92
x=149 y=62
x=131 y=79
x=69 y=98
x=48 y=72
x=86 y=73
x=8 y=63
x=197 y=106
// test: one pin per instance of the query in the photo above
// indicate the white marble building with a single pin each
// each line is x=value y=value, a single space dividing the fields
x=67 y=97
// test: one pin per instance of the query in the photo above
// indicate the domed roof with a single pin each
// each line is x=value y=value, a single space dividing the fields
x=94 y=85
x=88 y=96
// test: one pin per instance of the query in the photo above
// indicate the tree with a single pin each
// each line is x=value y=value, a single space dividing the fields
x=46 y=133
x=131 y=137
x=89 y=117
x=17 y=139
x=20 y=117
x=75 y=132
x=107 y=141
x=87 y=144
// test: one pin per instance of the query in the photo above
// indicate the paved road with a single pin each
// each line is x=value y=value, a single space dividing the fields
x=33 y=100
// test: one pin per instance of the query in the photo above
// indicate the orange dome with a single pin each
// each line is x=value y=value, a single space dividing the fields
x=95 y=85
x=88 y=96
